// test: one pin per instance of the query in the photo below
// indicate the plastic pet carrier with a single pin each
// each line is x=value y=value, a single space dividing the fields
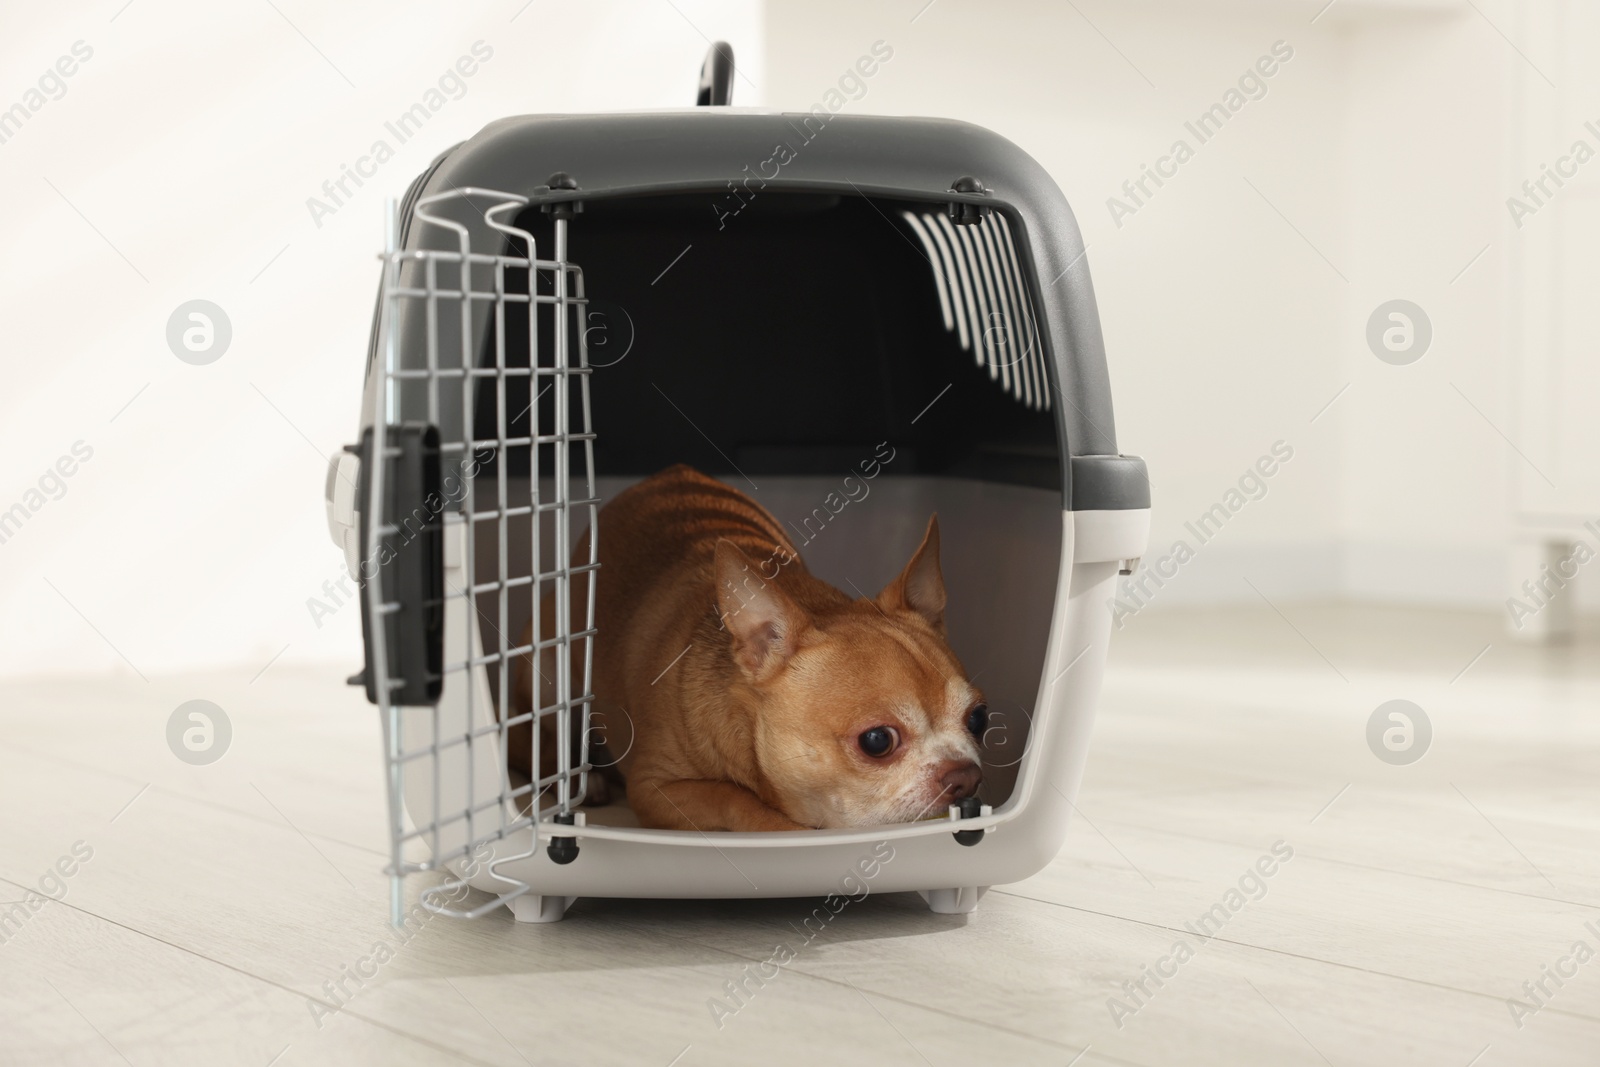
x=858 y=321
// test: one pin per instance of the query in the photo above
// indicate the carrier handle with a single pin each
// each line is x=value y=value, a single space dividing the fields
x=716 y=76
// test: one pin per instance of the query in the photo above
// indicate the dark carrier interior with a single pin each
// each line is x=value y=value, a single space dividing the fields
x=798 y=333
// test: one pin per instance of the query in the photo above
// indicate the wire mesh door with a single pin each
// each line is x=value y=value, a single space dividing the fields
x=483 y=479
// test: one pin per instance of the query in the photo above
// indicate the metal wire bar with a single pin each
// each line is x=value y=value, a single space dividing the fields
x=591 y=501
x=377 y=608
x=563 y=530
x=485 y=297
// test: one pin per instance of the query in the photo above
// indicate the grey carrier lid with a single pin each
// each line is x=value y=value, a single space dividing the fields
x=715 y=150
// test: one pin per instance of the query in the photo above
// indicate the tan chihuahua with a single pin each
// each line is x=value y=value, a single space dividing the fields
x=760 y=697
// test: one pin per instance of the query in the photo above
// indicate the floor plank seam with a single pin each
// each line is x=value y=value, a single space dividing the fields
x=271 y=983
x=205 y=801
x=983 y=1023
x=1359 y=866
x=1285 y=952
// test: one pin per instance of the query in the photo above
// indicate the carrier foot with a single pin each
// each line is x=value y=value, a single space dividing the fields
x=533 y=908
x=953 y=901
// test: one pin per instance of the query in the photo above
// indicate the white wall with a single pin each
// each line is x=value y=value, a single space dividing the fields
x=1425 y=511
x=1231 y=321
x=191 y=139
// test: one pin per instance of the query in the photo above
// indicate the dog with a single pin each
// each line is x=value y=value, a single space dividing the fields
x=751 y=695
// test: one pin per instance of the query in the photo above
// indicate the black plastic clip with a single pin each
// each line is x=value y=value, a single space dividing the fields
x=563 y=849
x=560 y=182
x=964 y=212
x=971 y=808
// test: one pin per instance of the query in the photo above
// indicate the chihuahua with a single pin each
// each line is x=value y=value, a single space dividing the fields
x=759 y=696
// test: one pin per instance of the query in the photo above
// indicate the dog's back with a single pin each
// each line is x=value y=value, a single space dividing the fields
x=663 y=531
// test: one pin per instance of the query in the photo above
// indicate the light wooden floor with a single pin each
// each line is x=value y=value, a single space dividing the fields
x=221 y=899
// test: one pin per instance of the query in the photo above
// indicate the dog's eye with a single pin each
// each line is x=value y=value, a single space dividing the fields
x=978 y=721
x=878 y=741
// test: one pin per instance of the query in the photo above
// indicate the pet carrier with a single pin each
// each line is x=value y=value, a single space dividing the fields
x=856 y=320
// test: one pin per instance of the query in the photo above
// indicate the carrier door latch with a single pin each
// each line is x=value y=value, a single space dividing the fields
x=409 y=631
x=965 y=212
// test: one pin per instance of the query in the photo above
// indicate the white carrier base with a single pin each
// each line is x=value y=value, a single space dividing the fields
x=1022 y=835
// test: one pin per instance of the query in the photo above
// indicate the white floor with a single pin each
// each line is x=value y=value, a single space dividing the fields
x=219 y=900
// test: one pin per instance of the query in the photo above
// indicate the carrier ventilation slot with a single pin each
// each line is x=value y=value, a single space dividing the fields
x=984 y=300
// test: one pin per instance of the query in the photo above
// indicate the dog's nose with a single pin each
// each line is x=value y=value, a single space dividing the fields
x=960 y=778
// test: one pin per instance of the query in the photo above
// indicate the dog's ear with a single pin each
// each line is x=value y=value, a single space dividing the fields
x=764 y=622
x=920 y=587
